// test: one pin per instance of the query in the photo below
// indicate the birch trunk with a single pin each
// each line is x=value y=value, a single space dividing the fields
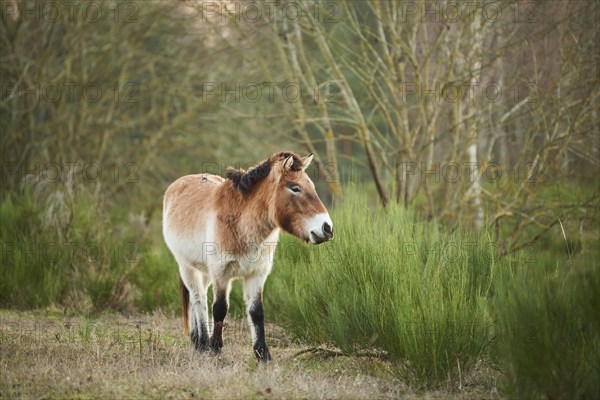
x=473 y=194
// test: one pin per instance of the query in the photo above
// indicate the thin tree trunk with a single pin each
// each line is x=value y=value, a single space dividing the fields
x=474 y=190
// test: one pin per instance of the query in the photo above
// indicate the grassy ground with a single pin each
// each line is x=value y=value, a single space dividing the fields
x=44 y=354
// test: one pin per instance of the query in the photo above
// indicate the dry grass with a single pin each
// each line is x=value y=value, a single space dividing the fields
x=46 y=355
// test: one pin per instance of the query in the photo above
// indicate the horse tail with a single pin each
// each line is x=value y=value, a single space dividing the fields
x=185 y=299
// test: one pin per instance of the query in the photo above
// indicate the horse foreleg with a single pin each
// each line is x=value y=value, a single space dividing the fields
x=253 y=289
x=219 y=309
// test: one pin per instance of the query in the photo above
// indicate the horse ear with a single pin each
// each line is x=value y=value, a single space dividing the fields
x=288 y=162
x=306 y=161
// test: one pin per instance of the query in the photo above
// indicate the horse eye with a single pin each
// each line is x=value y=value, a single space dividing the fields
x=295 y=189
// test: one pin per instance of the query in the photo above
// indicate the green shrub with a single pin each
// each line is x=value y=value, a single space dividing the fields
x=434 y=301
x=27 y=279
x=548 y=336
x=68 y=258
x=390 y=282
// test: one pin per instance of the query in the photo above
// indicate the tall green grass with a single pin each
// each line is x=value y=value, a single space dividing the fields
x=26 y=277
x=389 y=282
x=548 y=328
x=79 y=262
x=436 y=302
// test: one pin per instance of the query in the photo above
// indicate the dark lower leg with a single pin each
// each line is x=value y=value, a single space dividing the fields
x=261 y=351
x=219 y=313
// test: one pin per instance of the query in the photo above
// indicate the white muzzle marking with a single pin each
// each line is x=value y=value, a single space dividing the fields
x=319 y=228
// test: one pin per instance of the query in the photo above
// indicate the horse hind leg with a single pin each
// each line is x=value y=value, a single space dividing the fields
x=196 y=283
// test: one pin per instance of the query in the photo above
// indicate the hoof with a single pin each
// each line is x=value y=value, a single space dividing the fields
x=200 y=342
x=262 y=354
x=216 y=345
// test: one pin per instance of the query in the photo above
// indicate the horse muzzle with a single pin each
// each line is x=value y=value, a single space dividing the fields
x=320 y=228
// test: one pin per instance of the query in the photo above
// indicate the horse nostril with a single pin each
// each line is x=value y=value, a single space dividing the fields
x=327 y=229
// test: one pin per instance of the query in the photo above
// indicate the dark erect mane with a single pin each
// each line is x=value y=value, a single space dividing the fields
x=244 y=180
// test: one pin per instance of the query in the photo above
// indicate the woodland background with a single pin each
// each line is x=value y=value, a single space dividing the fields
x=471 y=118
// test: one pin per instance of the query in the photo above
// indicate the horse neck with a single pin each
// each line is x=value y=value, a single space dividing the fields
x=254 y=220
x=256 y=216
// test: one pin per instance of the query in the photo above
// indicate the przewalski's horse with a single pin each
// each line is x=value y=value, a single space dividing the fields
x=220 y=229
